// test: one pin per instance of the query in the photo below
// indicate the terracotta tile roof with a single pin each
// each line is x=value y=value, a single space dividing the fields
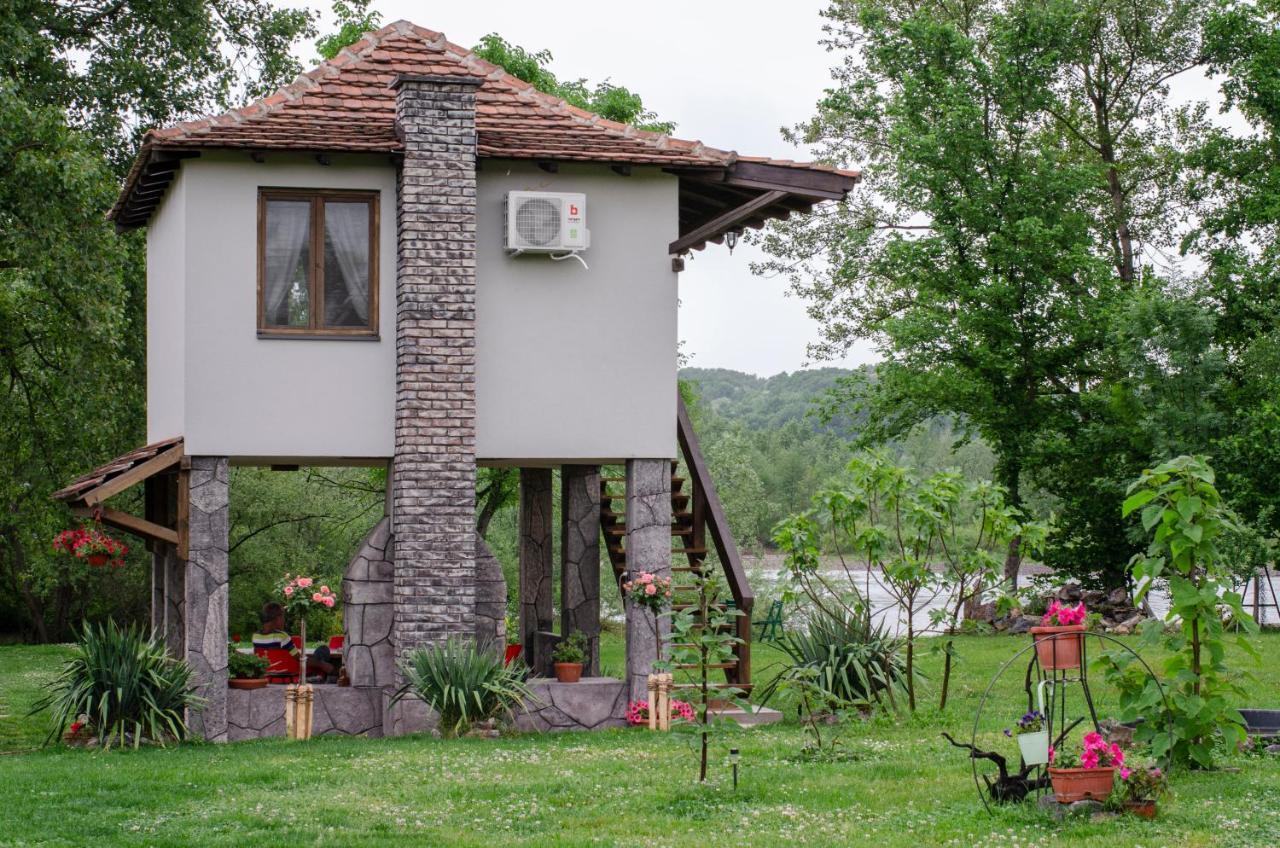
x=347 y=104
x=78 y=487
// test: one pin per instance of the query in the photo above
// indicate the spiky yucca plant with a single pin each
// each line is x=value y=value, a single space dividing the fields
x=463 y=682
x=124 y=682
x=848 y=657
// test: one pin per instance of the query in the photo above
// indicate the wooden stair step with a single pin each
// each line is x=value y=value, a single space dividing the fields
x=674 y=479
x=709 y=665
x=745 y=687
x=622 y=531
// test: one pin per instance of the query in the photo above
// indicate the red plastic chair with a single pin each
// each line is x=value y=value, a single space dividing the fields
x=336 y=642
x=283 y=665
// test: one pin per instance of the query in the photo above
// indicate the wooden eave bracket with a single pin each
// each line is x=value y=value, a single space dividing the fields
x=90 y=504
x=725 y=222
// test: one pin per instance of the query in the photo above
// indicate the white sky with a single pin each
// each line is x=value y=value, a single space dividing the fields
x=728 y=75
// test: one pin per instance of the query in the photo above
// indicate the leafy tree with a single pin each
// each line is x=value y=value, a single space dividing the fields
x=118 y=68
x=604 y=98
x=1015 y=158
x=1182 y=510
x=354 y=18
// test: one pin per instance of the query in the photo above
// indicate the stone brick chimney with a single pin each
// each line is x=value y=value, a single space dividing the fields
x=433 y=484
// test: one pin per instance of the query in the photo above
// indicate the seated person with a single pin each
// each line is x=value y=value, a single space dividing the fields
x=273 y=635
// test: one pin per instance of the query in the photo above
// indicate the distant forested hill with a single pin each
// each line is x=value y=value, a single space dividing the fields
x=764 y=403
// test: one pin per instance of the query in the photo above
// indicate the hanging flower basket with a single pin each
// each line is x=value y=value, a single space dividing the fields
x=89 y=544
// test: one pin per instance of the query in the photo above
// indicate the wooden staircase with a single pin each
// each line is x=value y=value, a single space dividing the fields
x=697 y=517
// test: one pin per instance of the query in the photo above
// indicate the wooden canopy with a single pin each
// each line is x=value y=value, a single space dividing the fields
x=86 y=495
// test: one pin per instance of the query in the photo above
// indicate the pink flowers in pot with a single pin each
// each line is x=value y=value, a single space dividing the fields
x=1095 y=753
x=638 y=711
x=648 y=590
x=90 y=544
x=1060 y=615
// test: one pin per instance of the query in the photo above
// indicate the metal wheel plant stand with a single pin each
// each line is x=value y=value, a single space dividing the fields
x=1034 y=780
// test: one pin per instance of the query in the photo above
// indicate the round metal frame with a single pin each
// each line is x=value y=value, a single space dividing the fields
x=1083 y=679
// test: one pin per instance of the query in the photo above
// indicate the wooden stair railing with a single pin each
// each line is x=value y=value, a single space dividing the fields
x=695 y=515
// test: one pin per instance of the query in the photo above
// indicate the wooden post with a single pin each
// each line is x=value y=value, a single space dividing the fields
x=664 y=701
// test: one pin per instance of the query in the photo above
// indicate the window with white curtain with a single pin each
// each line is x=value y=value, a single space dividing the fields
x=317 y=263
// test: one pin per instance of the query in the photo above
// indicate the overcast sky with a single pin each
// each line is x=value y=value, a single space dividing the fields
x=729 y=74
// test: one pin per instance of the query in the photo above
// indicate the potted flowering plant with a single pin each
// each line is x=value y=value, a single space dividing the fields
x=246 y=671
x=568 y=657
x=90 y=544
x=1090 y=774
x=638 y=712
x=1059 y=636
x=1033 y=738
x=1141 y=788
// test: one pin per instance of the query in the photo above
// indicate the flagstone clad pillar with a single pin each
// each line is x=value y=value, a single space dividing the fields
x=648 y=549
x=580 y=557
x=536 y=610
x=433 y=493
x=206 y=593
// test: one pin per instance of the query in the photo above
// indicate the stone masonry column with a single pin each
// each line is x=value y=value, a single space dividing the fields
x=648 y=549
x=433 y=494
x=580 y=557
x=206 y=593
x=536 y=603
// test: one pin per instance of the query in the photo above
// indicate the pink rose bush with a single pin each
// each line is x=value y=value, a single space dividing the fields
x=638 y=712
x=648 y=590
x=1060 y=615
x=300 y=594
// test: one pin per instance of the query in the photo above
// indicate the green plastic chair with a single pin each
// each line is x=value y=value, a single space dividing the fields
x=771 y=626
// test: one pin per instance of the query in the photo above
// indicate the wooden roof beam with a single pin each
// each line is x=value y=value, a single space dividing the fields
x=134 y=475
x=729 y=220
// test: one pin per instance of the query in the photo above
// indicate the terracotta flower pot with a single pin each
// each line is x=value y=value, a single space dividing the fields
x=98 y=560
x=1079 y=784
x=246 y=682
x=568 y=672
x=1058 y=647
x=1145 y=809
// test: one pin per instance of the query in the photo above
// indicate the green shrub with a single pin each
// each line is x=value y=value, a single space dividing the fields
x=246 y=666
x=462 y=682
x=846 y=658
x=124 y=682
x=571 y=649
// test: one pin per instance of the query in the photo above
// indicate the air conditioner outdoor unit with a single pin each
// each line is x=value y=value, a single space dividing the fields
x=546 y=222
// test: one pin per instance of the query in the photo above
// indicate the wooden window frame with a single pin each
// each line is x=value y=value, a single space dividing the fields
x=315 y=271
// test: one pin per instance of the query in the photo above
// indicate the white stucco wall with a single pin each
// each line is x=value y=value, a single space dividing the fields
x=572 y=364
x=282 y=398
x=166 y=325
x=577 y=364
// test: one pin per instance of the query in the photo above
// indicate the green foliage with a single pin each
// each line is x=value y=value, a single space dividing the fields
x=124 y=682
x=703 y=636
x=463 y=682
x=838 y=662
x=246 y=666
x=898 y=526
x=571 y=649
x=1181 y=509
x=605 y=99
x=354 y=19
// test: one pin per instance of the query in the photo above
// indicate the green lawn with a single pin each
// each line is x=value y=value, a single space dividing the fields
x=900 y=785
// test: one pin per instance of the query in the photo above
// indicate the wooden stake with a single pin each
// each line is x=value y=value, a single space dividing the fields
x=652 y=683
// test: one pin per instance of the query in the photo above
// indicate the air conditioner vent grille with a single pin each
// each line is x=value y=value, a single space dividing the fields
x=538 y=221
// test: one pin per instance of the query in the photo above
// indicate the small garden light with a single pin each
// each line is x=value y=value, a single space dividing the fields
x=733 y=761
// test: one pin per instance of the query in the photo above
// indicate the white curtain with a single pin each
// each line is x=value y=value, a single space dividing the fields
x=347 y=225
x=288 y=228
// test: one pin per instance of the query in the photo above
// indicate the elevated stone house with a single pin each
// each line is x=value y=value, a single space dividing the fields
x=337 y=274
